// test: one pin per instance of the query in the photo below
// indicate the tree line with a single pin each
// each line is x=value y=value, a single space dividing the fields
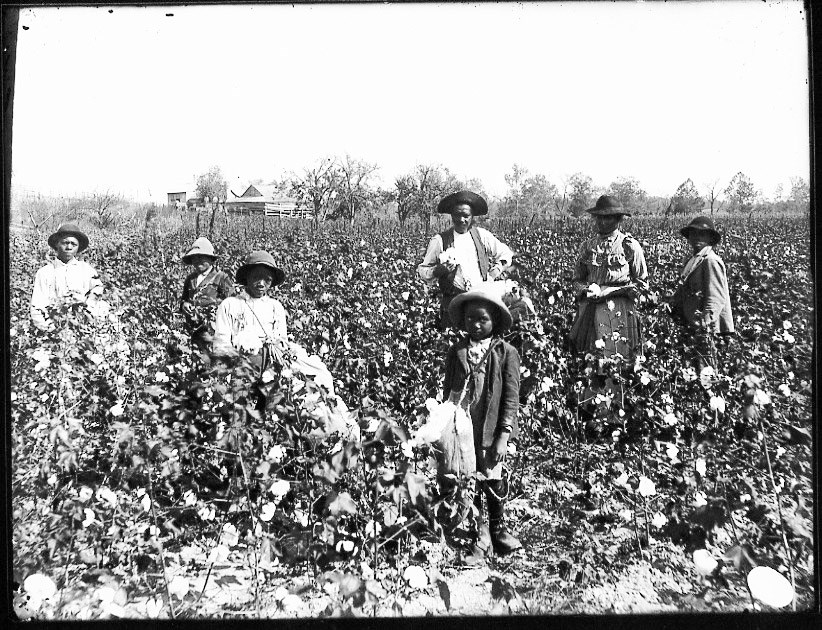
x=346 y=188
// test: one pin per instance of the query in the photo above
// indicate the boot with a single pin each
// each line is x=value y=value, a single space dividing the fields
x=503 y=542
x=481 y=548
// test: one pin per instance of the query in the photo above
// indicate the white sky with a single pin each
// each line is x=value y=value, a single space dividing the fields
x=139 y=102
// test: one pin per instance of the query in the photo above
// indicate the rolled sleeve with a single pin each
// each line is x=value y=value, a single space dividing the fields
x=425 y=270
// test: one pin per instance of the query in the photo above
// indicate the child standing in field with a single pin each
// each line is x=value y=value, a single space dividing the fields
x=203 y=290
x=482 y=376
x=65 y=279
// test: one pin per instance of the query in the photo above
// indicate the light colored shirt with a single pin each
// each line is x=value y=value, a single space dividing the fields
x=465 y=253
x=243 y=322
x=59 y=282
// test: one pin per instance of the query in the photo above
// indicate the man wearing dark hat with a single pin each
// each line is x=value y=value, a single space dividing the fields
x=701 y=301
x=64 y=279
x=609 y=274
x=463 y=255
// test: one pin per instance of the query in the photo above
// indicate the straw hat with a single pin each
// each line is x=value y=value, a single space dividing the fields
x=477 y=203
x=69 y=229
x=457 y=306
x=263 y=259
x=201 y=247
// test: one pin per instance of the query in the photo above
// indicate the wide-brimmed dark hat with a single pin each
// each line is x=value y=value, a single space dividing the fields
x=478 y=204
x=201 y=247
x=457 y=305
x=608 y=206
x=702 y=223
x=263 y=259
x=69 y=229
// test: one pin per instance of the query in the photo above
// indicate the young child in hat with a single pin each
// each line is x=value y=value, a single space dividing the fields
x=203 y=290
x=482 y=375
x=701 y=301
x=65 y=279
x=254 y=323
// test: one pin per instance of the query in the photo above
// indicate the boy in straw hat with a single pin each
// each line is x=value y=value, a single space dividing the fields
x=203 y=290
x=701 y=301
x=463 y=255
x=65 y=279
x=482 y=376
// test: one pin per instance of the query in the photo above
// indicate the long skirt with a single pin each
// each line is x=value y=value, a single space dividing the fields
x=614 y=321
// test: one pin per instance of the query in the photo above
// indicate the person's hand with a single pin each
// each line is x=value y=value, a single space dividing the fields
x=499 y=447
x=594 y=298
x=188 y=309
x=443 y=269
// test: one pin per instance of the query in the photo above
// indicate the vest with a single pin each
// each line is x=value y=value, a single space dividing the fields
x=446 y=282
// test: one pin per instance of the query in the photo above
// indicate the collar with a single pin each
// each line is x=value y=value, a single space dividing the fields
x=245 y=297
x=59 y=263
x=608 y=238
x=480 y=345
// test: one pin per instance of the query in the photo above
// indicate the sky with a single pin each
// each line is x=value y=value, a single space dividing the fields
x=140 y=102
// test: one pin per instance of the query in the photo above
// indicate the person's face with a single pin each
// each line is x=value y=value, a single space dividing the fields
x=258 y=281
x=698 y=239
x=461 y=218
x=67 y=248
x=201 y=263
x=479 y=320
x=608 y=223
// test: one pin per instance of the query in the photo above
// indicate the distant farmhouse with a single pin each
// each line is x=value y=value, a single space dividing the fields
x=257 y=199
x=267 y=200
x=184 y=199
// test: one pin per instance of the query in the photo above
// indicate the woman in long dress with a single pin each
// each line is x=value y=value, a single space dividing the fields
x=609 y=274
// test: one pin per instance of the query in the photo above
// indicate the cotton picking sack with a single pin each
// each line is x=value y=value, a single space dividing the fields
x=456 y=445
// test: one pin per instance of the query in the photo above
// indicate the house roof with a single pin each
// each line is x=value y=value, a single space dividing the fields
x=264 y=190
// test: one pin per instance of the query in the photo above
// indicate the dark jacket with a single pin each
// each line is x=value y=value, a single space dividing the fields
x=500 y=395
x=702 y=298
x=214 y=288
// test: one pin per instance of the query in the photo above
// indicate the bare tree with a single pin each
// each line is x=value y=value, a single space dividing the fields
x=354 y=186
x=515 y=180
x=318 y=187
x=561 y=199
x=100 y=208
x=713 y=192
